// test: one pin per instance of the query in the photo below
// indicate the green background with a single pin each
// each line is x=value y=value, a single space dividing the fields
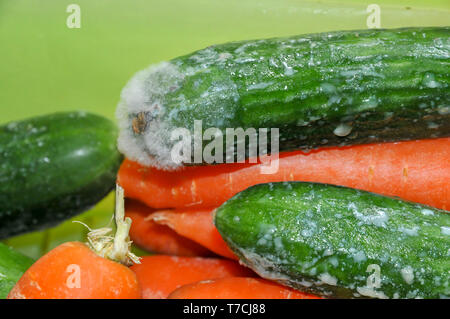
x=47 y=67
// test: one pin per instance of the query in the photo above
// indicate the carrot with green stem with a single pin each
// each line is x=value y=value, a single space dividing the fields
x=159 y=275
x=98 y=269
x=418 y=171
x=238 y=288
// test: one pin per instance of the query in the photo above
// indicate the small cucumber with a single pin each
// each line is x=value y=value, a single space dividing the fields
x=12 y=266
x=326 y=89
x=53 y=167
x=339 y=242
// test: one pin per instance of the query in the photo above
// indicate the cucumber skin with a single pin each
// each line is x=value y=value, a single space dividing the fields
x=387 y=85
x=54 y=167
x=313 y=235
x=12 y=266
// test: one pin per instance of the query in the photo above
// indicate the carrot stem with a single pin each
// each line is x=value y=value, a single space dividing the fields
x=118 y=247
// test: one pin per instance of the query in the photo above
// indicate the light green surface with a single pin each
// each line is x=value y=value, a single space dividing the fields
x=48 y=67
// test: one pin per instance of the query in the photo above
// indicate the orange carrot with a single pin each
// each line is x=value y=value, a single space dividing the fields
x=73 y=271
x=196 y=225
x=159 y=238
x=96 y=270
x=414 y=170
x=160 y=275
x=238 y=288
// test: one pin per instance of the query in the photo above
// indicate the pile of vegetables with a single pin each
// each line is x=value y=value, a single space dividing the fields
x=358 y=207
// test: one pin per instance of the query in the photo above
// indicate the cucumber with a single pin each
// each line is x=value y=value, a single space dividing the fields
x=326 y=89
x=339 y=242
x=53 y=167
x=12 y=266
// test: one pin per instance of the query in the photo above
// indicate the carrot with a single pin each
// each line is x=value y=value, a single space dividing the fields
x=76 y=270
x=160 y=275
x=238 y=288
x=157 y=238
x=73 y=271
x=414 y=170
x=196 y=225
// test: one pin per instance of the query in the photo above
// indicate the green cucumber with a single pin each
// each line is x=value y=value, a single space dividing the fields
x=339 y=242
x=326 y=89
x=12 y=266
x=53 y=167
